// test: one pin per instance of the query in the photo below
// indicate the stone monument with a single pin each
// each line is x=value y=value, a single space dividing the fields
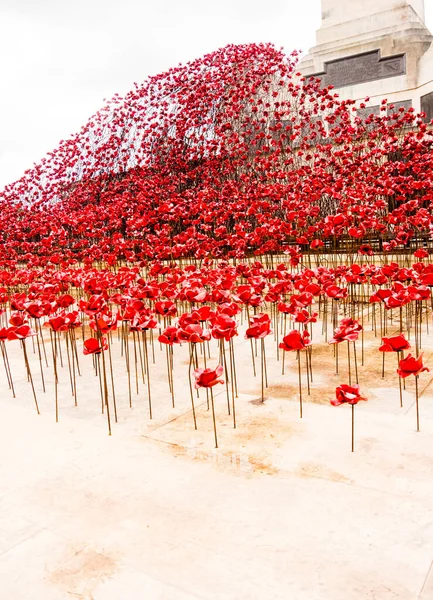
x=377 y=49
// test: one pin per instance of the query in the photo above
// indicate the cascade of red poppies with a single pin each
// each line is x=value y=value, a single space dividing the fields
x=227 y=193
x=233 y=154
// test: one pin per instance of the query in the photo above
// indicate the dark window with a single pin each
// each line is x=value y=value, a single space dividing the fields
x=364 y=113
x=406 y=104
x=427 y=106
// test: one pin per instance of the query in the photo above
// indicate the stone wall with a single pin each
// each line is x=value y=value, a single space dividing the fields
x=375 y=48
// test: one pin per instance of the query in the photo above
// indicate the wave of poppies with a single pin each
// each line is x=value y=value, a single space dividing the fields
x=231 y=155
x=228 y=189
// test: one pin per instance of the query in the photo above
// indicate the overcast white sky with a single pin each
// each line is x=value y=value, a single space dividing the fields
x=61 y=58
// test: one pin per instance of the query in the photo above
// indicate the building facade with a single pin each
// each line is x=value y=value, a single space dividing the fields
x=379 y=49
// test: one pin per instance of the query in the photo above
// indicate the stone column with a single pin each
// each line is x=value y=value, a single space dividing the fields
x=372 y=48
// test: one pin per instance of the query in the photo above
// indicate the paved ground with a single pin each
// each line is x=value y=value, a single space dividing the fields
x=282 y=510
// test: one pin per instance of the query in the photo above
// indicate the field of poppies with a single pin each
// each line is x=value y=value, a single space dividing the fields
x=226 y=199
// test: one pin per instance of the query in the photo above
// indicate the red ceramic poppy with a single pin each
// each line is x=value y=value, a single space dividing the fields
x=260 y=326
x=38 y=309
x=303 y=316
x=411 y=366
x=195 y=294
x=418 y=292
x=380 y=295
x=165 y=308
x=57 y=323
x=207 y=378
x=193 y=334
x=104 y=323
x=302 y=300
x=287 y=309
x=223 y=327
x=421 y=253
x=396 y=343
x=230 y=309
x=71 y=320
x=204 y=313
x=347 y=394
x=335 y=292
x=169 y=336
x=20 y=333
x=143 y=322
x=348 y=330
x=92 y=346
x=396 y=300
x=65 y=301
x=17 y=319
x=96 y=303
x=294 y=340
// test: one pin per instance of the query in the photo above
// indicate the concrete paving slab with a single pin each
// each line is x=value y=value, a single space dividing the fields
x=282 y=509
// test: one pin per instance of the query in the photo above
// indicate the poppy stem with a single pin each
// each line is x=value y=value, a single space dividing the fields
x=353 y=428
x=104 y=387
x=39 y=328
x=69 y=333
x=262 y=362
x=336 y=358
x=348 y=362
x=29 y=373
x=233 y=382
x=128 y=369
x=60 y=354
x=399 y=380
x=7 y=368
x=252 y=356
x=310 y=355
x=191 y=354
x=325 y=319
x=39 y=355
x=417 y=403
x=69 y=364
x=146 y=362
x=226 y=372
x=169 y=373
x=104 y=375
x=205 y=366
x=420 y=324
x=232 y=351
x=74 y=338
x=300 y=383
x=56 y=380
x=112 y=380
x=152 y=345
x=171 y=356
x=140 y=356
x=356 y=362
x=380 y=319
x=135 y=363
x=213 y=417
